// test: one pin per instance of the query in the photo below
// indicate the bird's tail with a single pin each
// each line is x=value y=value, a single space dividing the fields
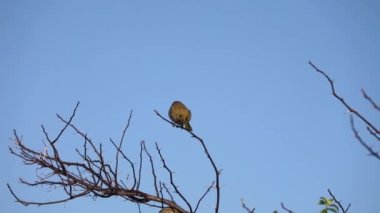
x=188 y=127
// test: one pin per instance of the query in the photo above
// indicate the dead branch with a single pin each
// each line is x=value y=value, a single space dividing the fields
x=348 y=107
x=246 y=207
x=152 y=168
x=353 y=112
x=361 y=141
x=92 y=175
x=171 y=177
x=285 y=208
x=344 y=210
x=203 y=196
x=118 y=148
x=370 y=100
x=216 y=171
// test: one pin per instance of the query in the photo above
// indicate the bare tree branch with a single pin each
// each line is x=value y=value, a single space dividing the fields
x=353 y=112
x=140 y=167
x=26 y=203
x=167 y=191
x=93 y=176
x=246 y=207
x=67 y=124
x=370 y=100
x=216 y=171
x=203 y=196
x=118 y=150
x=152 y=168
x=130 y=163
x=170 y=172
x=377 y=136
x=344 y=210
x=361 y=141
x=349 y=108
x=285 y=208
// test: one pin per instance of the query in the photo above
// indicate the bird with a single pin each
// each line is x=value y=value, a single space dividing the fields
x=168 y=210
x=180 y=115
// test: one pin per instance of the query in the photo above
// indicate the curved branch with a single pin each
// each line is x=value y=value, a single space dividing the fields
x=370 y=100
x=285 y=208
x=344 y=210
x=26 y=203
x=246 y=207
x=204 y=195
x=172 y=179
x=152 y=168
x=216 y=171
x=118 y=148
x=361 y=141
x=67 y=124
x=348 y=107
x=370 y=127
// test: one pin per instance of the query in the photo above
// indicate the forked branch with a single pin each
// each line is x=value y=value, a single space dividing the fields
x=92 y=175
x=372 y=129
x=344 y=210
x=200 y=140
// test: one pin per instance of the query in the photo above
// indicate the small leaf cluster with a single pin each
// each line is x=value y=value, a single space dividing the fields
x=329 y=205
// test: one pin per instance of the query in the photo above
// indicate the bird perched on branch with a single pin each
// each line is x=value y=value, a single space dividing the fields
x=169 y=210
x=180 y=115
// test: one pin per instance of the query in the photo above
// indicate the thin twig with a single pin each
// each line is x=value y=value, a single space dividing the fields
x=361 y=141
x=26 y=203
x=67 y=123
x=170 y=172
x=370 y=127
x=344 y=210
x=140 y=167
x=130 y=163
x=161 y=193
x=168 y=192
x=120 y=144
x=203 y=196
x=352 y=110
x=370 y=100
x=285 y=208
x=246 y=207
x=152 y=168
x=373 y=133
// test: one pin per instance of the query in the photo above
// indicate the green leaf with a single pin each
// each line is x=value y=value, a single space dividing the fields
x=324 y=211
x=322 y=201
x=334 y=206
x=333 y=210
x=330 y=202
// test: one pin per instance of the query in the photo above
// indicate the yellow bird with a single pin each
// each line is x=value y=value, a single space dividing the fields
x=180 y=115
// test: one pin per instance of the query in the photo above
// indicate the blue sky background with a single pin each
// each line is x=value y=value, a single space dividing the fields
x=242 y=68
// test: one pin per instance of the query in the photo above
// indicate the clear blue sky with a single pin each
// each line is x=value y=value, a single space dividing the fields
x=268 y=119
